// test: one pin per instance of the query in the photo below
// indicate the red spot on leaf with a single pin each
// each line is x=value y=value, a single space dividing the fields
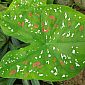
x=71 y=67
x=30 y=14
x=12 y=72
x=52 y=17
x=54 y=59
x=26 y=75
x=43 y=24
x=61 y=62
x=40 y=66
x=36 y=26
x=81 y=28
x=21 y=24
x=25 y=62
x=36 y=64
x=44 y=30
x=69 y=23
x=56 y=26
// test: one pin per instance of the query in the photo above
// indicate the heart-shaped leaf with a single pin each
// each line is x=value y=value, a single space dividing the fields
x=57 y=37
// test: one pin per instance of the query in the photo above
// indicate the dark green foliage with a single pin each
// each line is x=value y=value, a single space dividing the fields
x=65 y=2
x=2 y=39
x=50 y=1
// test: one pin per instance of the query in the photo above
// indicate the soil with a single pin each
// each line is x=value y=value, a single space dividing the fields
x=78 y=80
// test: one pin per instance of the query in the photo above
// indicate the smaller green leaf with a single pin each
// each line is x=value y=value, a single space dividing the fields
x=15 y=42
x=26 y=82
x=2 y=7
x=80 y=3
x=35 y=82
x=11 y=46
x=49 y=82
x=3 y=81
x=11 y=81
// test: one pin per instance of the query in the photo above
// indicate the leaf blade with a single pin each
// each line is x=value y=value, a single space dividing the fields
x=54 y=49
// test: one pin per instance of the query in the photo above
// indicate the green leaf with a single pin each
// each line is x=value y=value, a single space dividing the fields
x=26 y=35
x=25 y=4
x=2 y=7
x=12 y=47
x=26 y=82
x=10 y=81
x=15 y=42
x=3 y=81
x=35 y=82
x=57 y=42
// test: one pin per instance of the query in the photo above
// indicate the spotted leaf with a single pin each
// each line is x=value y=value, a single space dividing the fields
x=27 y=21
x=57 y=37
x=25 y=4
